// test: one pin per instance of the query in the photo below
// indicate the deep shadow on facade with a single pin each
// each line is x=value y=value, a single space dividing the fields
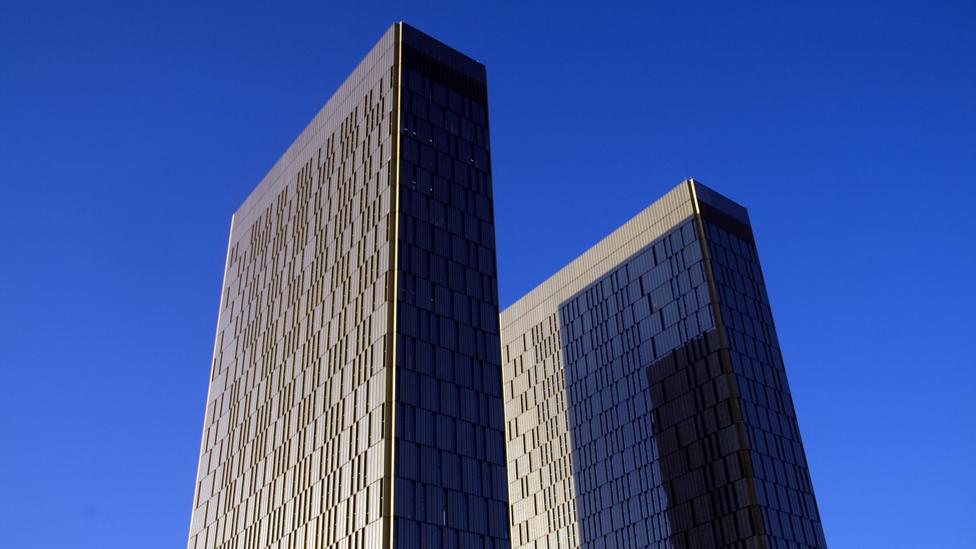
x=646 y=400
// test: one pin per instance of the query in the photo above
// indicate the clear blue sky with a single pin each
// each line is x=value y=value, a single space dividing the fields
x=128 y=136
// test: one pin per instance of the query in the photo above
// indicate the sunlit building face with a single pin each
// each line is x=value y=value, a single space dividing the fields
x=355 y=396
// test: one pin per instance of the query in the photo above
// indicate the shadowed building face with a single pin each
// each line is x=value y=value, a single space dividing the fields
x=646 y=400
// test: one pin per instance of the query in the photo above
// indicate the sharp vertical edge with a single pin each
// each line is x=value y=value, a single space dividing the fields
x=394 y=252
x=726 y=359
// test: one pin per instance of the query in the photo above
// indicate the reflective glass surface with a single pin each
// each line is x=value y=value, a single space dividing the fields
x=610 y=333
x=783 y=485
x=648 y=406
x=450 y=486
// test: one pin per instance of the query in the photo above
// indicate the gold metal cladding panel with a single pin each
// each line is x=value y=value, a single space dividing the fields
x=292 y=451
x=540 y=476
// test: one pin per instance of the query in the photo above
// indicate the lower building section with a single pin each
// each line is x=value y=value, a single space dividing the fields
x=646 y=401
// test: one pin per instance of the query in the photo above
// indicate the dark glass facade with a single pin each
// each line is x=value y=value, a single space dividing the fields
x=450 y=489
x=783 y=490
x=641 y=310
x=651 y=361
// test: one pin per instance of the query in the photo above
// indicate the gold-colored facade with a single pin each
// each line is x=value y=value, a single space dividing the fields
x=300 y=437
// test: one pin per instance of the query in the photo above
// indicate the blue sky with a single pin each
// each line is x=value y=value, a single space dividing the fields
x=130 y=132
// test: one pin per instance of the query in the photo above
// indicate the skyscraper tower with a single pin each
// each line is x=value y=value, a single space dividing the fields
x=646 y=399
x=355 y=392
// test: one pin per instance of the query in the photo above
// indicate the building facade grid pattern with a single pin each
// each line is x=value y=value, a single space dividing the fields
x=305 y=411
x=450 y=488
x=366 y=393
x=783 y=485
x=636 y=313
x=542 y=484
x=646 y=401
x=299 y=351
